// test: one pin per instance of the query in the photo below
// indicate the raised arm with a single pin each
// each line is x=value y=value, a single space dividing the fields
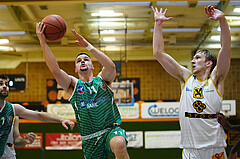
x=42 y=116
x=223 y=62
x=18 y=140
x=167 y=62
x=108 y=72
x=63 y=79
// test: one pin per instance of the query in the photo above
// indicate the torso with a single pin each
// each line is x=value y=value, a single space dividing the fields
x=94 y=106
x=200 y=98
x=6 y=122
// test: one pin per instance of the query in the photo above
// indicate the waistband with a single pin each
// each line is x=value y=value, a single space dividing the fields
x=96 y=134
x=99 y=133
x=203 y=116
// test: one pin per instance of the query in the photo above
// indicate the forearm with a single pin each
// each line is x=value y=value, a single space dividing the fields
x=46 y=117
x=50 y=58
x=20 y=142
x=158 y=41
x=225 y=35
x=103 y=59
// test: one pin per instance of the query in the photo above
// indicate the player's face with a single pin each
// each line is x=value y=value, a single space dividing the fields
x=3 y=88
x=199 y=63
x=83 y=63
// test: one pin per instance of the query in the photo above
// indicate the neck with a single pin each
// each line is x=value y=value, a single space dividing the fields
x=85 y=76
x=1 y=103
x=202 y=76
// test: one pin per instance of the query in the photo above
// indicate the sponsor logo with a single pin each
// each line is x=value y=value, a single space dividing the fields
x=101 y=84
x=155 y=111
x=199 y=106
x=218 y=156
x=80 y=89
x=10 y=120
x=198 y=93
x=92 y=103
x=188 y=89
x=208 y=90
x=131 y=137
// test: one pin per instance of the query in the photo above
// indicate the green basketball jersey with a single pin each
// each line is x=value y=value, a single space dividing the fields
x=94 y=106
x=6 y=121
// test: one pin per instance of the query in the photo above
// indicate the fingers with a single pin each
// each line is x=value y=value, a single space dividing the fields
x=153 y=9
x=165 y=11
x=65 y=126
x=160 y=10
x=72 y=124
x=30 y=137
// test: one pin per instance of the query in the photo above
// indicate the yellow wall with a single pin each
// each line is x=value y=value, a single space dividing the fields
x=156 y=84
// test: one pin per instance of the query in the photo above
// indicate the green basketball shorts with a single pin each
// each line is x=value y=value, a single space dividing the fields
x=99 y=147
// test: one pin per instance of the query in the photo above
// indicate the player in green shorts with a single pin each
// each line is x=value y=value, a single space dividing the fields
x=92 y=99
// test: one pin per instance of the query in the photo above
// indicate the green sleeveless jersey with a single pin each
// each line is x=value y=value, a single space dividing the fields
x=94 y=106
x=6 y=121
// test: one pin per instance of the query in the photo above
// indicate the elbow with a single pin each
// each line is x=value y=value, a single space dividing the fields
x=113 y=67
x=157 y=54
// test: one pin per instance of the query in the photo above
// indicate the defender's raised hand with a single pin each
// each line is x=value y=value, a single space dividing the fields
x=160 y=16
x=214 y=14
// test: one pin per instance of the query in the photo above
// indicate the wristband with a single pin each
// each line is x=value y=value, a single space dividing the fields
x=89 y=47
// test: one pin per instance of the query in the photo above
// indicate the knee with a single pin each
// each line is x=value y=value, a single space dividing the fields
x=118 y=144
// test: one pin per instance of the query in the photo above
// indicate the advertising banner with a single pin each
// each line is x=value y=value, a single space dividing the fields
x=63 y=141
x=37 y=143
x=135 y=139
x=162 y=139
x=129 y=112
x=160 y=110
x=61 y=110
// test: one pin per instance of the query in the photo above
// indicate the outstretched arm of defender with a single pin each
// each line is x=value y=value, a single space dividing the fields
x=168 y=63
x=108 y=72
x=223 y=63
x=63 y=79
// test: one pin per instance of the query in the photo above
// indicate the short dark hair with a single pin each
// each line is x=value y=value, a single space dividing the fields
x=2 y=76
x=209 y=57
x=83 y=53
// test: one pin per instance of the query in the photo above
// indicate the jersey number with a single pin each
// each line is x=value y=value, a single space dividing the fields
x=2 y=119
x=92 y=90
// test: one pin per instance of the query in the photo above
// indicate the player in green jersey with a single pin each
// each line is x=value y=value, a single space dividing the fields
x=8 y=111
x=96 y=113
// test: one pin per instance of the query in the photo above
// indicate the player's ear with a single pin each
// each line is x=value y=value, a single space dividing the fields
x=209 y=63
x=75 y=69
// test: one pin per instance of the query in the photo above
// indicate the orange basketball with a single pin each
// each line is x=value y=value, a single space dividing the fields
x=55 y=27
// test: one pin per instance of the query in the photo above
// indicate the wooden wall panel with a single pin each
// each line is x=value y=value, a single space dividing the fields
x=156 y=83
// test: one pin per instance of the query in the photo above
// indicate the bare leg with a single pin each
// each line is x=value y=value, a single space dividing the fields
x=119 y=148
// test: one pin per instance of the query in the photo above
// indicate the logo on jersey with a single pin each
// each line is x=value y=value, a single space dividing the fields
x=218 y=156
x=10 y=120
x=188 y=89
x=101 y=84
x=93 y=102
x=198 y=93
x=80 y=89
x=199 y=106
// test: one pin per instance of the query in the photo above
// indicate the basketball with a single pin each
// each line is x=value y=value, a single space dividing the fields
x=55 y=27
